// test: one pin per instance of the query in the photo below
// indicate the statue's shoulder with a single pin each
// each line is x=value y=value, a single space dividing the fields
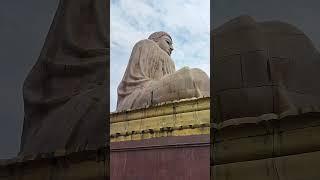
x=145 y=42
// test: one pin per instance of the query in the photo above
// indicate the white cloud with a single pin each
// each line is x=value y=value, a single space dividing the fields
x=187 y=21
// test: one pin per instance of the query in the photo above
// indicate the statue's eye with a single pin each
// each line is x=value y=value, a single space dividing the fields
x=168 y=42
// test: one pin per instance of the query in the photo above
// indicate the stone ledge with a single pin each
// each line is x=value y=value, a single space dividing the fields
x=178 y=118
x=267 y=139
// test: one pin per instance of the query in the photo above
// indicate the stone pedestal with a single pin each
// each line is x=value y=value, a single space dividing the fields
x=169 y=141
x=286 y=148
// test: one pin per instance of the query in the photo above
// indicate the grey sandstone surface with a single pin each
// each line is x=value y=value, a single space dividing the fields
x=265 y=69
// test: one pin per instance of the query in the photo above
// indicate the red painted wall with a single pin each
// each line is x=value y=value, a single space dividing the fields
x=168 y=158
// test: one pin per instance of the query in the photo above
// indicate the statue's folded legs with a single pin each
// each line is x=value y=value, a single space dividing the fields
x=184 y=83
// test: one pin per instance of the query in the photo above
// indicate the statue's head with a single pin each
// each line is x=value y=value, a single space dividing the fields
x=164 y=41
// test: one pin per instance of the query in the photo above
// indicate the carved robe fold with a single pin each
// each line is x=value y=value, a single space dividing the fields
x=65 y=92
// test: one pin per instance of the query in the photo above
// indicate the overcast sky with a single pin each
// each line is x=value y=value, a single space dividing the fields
x=187 y=21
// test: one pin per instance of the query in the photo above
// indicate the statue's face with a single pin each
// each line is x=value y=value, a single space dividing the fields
x=165 y=44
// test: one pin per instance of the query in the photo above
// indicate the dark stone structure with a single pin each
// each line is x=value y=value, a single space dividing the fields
x=266 y=102
x=65 y=97
x=263 y=68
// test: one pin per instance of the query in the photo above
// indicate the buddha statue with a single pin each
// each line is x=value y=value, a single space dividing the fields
x=151 y=78
x=263 y=70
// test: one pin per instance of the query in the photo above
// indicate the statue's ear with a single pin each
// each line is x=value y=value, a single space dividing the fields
x=157 y=43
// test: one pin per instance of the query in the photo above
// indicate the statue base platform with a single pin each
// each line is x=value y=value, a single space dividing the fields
x=286 y=148
x=168 y=141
